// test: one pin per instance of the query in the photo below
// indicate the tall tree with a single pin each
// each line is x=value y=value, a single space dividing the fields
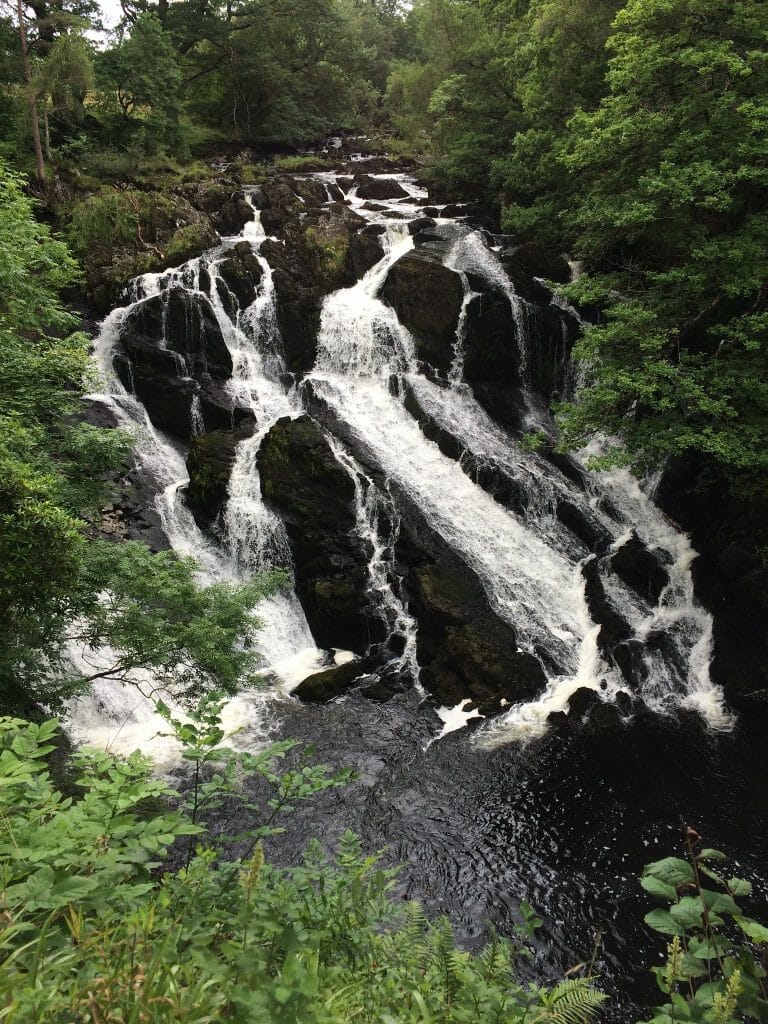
x=671 y=218
x=32 y=96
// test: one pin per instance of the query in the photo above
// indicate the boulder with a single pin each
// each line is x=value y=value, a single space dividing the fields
x=311 y=191
x=185 y=324
x=538 y=260
x=640 y=569
x=315 y=496
x=427 y=298
x=365 y=249
x=209 y=463
x=345 y=183
x=231 y=217
x=330 y=682
x=239 y=277
x=380 y=188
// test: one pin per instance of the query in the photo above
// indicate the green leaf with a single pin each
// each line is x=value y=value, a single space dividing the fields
x=753 y=929
x=662 y=921
x=656 y=887
x=671 y=870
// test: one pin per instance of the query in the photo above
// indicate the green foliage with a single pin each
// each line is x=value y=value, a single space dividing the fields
x=714 y=972
x=140 y=83
x=671 y=219
x=92 y=931
x=299 y=164
x=327 y=252
x=108 y=219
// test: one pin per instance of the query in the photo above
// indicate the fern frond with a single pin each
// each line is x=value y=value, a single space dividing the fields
x=571 y=1002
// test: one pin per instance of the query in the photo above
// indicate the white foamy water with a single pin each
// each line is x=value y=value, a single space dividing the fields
x=527 y=560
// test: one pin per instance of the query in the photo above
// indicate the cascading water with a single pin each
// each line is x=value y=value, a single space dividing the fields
x=481 y=820
x=122 y=714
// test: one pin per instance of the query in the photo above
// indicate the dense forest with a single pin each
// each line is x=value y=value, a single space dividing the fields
x=628 y=139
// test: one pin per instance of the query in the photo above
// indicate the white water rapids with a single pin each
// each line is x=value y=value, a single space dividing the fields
x=528 y=563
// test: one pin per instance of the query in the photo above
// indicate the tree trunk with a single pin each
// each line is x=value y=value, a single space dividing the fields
x=47 y=136
x=32 y=97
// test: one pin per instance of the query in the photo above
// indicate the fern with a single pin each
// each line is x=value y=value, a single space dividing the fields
x=573 y=1001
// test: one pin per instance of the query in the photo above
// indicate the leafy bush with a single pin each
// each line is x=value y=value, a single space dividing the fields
x=714 y=973
x=90 y=931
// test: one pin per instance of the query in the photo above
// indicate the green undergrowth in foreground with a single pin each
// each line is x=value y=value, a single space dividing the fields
x=96 y=926
x=94 y=929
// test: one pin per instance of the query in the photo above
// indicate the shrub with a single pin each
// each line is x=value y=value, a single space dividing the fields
x=90 y=931
x=714 y=973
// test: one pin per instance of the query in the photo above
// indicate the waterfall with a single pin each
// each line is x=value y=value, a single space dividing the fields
x=528 y=561
x=121 y=716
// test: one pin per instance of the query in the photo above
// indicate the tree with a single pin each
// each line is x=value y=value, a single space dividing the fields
x=140 y=81
x=32 y=96
x=671 y=219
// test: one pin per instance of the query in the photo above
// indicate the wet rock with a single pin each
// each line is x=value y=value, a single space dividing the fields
x=583 y=525
x=310 y=190
x=384 y=686
x=171 y=350
x=730 y=532
x=231 y=217
x=365 y=250
x=468 y=651
x=464 y=648
x=640 y=569
x=345 y=183
x=279 y=204
x=427 y=298
x=241 y=274
x=538 y=260
x=314 y=495
x=185 y=324
x=614 y=629
x=331 y=682
x=380 y=188
x=318 y=256
x=209 y=463
x=335 y=193
x=491 y=348
x=421 y=224
x=581 y=701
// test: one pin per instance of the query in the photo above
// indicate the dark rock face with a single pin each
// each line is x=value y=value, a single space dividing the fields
x=171 y=350
x=640 y=569
x=188 y=327
x=427 y=298
x=314 y=495
x=465 y=649
x=231 y=217
x=239 y=277
x=380 y=188
x=209 y=463
x=730 y=577
x=365 y=250
x=537 y=260
x=491 y=344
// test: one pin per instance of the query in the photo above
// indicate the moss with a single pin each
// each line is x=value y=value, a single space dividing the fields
x=188 y=241
x=302 y=163
x=328 y=253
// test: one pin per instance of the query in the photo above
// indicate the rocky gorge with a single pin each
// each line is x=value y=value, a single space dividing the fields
x=353 y=383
